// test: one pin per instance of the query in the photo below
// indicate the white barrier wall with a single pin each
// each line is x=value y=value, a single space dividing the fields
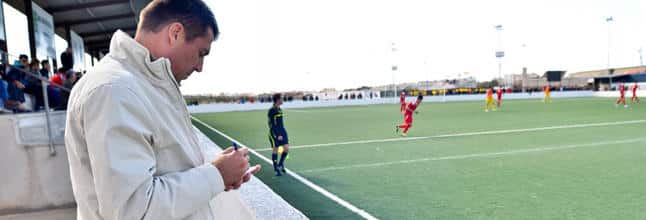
x=228 y=107
x=32 y=179
x=615 y=94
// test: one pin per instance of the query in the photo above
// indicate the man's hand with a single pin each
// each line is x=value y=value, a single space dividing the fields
x=245 y=178
x=20 y=85
x=232 y=165
x=280 y=138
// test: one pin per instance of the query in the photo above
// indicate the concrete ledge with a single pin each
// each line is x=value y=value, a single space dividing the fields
x=52 y=214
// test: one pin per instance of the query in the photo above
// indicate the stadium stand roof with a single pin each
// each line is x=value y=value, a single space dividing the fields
x=94 y=20
x=604 y=72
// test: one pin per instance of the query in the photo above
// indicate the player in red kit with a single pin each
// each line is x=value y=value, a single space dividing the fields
x=499 y=94
x=408 y=115
x=622 y=96
x=402 y=102
x=634 y=98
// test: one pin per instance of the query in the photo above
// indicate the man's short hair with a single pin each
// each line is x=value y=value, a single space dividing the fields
x=195 y=15
x=44 y=62
x=276 y=97
x=23 y=56
x=420 y=97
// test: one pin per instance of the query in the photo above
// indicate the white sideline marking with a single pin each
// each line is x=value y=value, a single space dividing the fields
x=466 y=134
x=308 y=183
x=322 y=110
x=295 y=110
x=468 y=156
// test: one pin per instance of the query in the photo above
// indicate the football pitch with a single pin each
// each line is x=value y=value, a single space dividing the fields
x=569 y=159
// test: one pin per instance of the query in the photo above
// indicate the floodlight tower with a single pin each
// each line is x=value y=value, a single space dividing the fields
x=394 y=67
x=609 y=21
x=499 y=52
x=641 y=60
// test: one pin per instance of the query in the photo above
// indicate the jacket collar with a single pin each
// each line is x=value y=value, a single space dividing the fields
x=124 y=47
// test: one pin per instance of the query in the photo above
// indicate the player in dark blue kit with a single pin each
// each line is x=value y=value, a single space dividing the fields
x=277 y=134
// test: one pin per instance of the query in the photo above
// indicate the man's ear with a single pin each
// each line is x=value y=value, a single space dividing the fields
x=175 y=33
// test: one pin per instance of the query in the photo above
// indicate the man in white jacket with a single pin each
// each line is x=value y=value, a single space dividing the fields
x=132 y=150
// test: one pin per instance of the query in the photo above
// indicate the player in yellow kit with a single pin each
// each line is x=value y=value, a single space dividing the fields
x=489 y=103
x=547 y=98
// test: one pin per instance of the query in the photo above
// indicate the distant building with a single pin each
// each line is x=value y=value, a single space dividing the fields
x=613 y=71
x=608 y=79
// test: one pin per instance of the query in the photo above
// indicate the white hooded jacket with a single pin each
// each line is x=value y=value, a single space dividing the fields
x=132 y=150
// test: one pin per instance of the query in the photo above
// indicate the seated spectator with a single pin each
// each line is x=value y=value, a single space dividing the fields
x=53 y=94
x=24 y=59
x=16 y=84
x=4 y=95
x=44 y=72
x=58 y=77
x=70 y=81
x=3 y=73
x=34 y=86
x=34 y=69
